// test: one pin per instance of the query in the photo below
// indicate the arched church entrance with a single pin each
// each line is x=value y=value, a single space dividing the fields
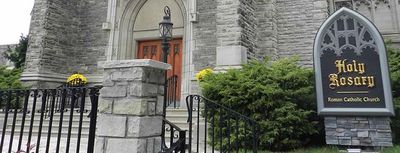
x=135 y=35
x=146 y=36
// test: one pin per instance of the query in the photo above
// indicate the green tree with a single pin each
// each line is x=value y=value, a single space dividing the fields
x=9 y=79
x=18 y=54
x=394 y=67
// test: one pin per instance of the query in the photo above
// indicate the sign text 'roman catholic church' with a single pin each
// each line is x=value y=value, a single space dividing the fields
x=351 y=67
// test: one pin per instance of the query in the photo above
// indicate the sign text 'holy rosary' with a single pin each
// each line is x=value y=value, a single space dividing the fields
x=351 y=67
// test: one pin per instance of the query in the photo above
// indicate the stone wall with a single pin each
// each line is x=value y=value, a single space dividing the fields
x=36 y=37
x=93 y=38
x=298 y=22
x=205 y=39
x=358 y=131
x=54 y=36
x=267 y=30
x=66 y=36
x=204 y=34
x=247 y=21
x=265 y=27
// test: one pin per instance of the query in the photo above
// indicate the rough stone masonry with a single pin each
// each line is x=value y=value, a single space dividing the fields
x=131 y=107
x=358 y=131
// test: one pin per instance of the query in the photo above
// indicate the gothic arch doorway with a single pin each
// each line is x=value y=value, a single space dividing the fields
x=134 y=22
x=147 y=43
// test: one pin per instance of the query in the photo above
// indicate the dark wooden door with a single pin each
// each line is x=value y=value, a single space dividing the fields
x=151 y=49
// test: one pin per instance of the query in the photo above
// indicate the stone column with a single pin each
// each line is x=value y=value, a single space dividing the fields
x=130 y=107
x=235 y=33
x=358 y=131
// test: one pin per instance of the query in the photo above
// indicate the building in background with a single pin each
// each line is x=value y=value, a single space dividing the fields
x=74 y=35
x=3 y=60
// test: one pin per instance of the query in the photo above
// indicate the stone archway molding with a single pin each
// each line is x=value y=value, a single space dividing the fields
x=122 y=35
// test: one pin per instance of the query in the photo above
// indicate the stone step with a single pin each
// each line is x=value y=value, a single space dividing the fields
x=37 y=115
x=55 y=124
x=46 y=121
x=184 y=125
x=182 y=118
x=46 y=125
x=43 y=143
x=54 y=133
x=179 y=117
x=55 y=128
x=179 y=111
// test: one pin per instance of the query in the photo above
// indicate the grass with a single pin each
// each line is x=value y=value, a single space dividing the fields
x=326 y=149
x=306 y=150
x=329 y=149
x=394 y=149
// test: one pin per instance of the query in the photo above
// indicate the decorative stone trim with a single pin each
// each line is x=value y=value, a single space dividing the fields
x=134 y=63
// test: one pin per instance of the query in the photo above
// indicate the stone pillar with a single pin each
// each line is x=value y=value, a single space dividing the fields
x=235 y=32
x=130 y=107
x=358 y=131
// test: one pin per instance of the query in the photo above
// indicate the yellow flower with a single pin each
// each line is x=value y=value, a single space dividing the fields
x=77 y=79
x=200 y=75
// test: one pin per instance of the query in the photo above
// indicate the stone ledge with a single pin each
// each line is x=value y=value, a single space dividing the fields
x=134 y=63
x=59 y=78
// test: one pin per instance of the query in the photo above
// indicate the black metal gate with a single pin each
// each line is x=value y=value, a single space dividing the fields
x=215 y=127
x=212 y=127
x=48 y=120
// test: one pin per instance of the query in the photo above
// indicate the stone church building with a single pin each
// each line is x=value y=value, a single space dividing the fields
x=68 y=36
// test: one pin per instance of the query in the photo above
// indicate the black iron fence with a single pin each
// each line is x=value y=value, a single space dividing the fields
x=177 y=138
x=212 y=127
x=218 y=128
x=47 y=120
x=171 y=91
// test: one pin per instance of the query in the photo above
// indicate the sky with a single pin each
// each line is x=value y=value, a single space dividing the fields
x=14 y=20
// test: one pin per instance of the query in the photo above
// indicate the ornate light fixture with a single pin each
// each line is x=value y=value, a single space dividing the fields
x=166 y=36
x=165 y=27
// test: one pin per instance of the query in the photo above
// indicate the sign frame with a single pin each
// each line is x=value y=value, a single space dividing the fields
x=381 y=49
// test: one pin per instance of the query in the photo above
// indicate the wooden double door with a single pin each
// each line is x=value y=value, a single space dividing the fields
x=151 y=49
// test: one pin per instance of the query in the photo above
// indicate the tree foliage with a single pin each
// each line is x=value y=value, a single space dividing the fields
x=17 y=55
x=279 y=95
x=9 y=79
x=394 y=68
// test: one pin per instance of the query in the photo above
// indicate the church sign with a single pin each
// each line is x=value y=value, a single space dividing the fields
x=351 y=67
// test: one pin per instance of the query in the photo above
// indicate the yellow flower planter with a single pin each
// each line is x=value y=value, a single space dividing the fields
x=76 y=80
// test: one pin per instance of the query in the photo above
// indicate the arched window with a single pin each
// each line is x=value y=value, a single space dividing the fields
x=347 y=34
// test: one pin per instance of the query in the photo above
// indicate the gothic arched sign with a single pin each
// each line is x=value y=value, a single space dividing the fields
x=351 y=67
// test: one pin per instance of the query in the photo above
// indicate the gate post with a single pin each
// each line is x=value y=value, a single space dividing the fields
x=131 y=106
